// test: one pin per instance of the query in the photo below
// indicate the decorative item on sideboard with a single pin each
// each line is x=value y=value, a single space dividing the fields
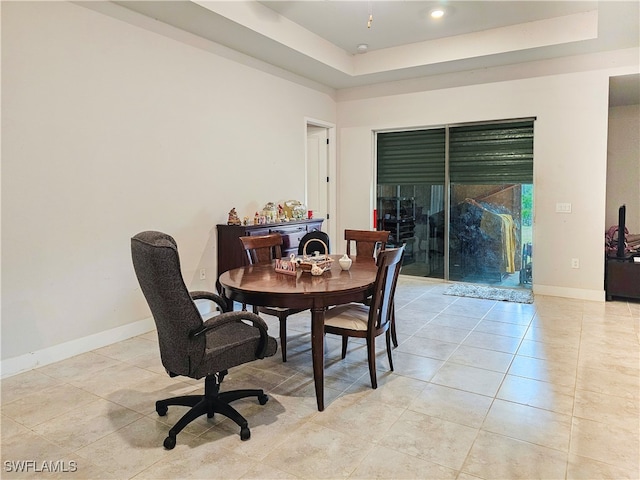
x=233 y=218
x=295 y=210
x=270 y=212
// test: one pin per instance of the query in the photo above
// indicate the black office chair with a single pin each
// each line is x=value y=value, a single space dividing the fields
x=191 y=347
x=314 y=241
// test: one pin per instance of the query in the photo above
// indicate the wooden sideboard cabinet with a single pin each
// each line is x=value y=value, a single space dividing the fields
x=230 y=252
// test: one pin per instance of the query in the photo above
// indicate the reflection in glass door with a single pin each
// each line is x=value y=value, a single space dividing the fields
x=414 y=216
x=488 y=240
x=491 y=177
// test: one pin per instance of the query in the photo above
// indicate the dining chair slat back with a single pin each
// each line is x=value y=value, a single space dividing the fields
x=367 y=242
x=262 y=248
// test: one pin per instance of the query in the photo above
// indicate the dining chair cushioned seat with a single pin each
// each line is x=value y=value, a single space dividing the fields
x=349 y=316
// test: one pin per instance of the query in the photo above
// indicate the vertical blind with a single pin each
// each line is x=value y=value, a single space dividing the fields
x=489 y=154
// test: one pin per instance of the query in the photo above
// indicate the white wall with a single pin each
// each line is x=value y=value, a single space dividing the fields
x=109 y=129
x=623 y=166
x=570 y=155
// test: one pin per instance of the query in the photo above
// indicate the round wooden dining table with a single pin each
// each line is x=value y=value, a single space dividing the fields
x=261 y=285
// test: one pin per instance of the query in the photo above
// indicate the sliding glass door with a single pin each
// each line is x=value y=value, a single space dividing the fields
x=411 y=197
x=488 y=165
x=467 y=216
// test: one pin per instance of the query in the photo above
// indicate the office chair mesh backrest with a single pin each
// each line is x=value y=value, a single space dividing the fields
x=157 y=265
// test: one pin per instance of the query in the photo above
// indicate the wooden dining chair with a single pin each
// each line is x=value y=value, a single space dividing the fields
x=370 y=243
x=264 y=249
x=370 y=321
x=367 y=242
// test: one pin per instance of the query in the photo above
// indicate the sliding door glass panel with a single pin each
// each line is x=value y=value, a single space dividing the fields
x=410 y=197
x=485 y=233
x=526 y=237
x=414 y=214
x=491 y=176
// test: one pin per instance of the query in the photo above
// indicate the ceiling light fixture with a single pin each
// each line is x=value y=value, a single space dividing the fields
x=437 y=12
x=362 y=48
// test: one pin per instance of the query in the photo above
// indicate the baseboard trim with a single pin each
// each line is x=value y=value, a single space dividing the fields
x=39 y=358
x=576 y=293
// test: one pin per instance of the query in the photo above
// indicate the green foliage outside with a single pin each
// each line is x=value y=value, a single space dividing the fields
x=527 y=205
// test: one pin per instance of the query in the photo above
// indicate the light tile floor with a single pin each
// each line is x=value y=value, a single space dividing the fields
x=481 y=389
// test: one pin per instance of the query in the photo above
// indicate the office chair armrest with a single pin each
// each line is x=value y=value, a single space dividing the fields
x=238 y=316
x=214 y=297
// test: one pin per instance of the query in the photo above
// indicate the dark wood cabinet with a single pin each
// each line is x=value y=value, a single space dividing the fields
x=230 y=252
x=622 y=278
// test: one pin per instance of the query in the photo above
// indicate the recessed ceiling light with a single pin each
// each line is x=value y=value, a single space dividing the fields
x=437 y=12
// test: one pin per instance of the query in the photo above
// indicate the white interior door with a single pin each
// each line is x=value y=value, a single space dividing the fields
x=317 y=171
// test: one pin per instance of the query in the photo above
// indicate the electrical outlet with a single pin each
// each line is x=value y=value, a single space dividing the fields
x=575 y=263
x=203 y=274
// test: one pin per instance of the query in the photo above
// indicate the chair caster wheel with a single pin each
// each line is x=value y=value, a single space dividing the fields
x=161 y=409
x=245 y=433
x=263 y=399
x=169 y=442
